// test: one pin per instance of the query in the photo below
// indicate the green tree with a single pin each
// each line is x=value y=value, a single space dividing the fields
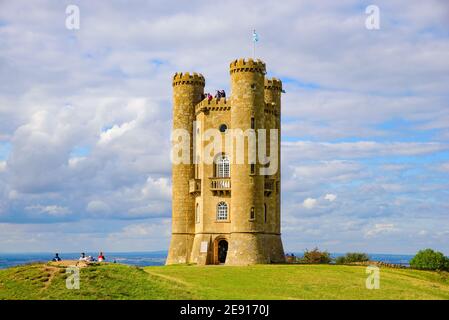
x=430 y=260
x=315 y=256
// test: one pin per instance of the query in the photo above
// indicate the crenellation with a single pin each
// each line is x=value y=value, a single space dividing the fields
x=247 y=65
x=273 y=84
x=185 y=78
x=215 y=104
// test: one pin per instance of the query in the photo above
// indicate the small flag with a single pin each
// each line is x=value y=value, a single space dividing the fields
x=255 y=36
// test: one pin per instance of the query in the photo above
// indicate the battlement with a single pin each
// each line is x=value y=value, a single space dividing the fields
x=247 y=65
x=214 y=104
x=187 y=78
x=273 y=84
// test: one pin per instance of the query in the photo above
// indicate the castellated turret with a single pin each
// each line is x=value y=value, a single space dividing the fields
x=187 y=90
x=225 y=210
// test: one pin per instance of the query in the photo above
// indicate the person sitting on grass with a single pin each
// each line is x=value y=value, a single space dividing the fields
x=83 y=257
x=101 y=257
x=56 y=258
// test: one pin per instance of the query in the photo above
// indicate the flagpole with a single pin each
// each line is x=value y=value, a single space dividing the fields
x=254 y=43
x=254 y=49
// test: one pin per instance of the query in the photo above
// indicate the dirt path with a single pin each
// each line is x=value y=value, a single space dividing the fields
x=170 y=278
x=52 y=271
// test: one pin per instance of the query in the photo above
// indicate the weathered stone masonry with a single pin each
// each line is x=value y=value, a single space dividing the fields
x=197 y=235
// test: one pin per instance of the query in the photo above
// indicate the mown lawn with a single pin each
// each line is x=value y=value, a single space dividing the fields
x=115 y=281
x=304 y=282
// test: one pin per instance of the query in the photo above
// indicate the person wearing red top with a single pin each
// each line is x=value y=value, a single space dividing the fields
x=101 y=257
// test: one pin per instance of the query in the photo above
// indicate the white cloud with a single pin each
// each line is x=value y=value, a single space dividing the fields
x=2 y=166
x=330 y=197
x=423 y=233
x=336 y=170
x=157 y=187
x=140 y=230
x=52 y=210
x=116 y=131
x=380 y=228
x=309 y=203
x=357 y=150
x=97 y=206
x=73 y=162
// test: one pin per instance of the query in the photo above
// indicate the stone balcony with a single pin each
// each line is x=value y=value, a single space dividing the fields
x=195 y=186
x=220 y=186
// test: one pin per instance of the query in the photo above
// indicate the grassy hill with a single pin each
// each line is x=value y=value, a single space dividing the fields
x=115 y=281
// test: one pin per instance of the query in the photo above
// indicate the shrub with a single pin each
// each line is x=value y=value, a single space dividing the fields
x=315 y=256
x=430 y=260
x=352 y=257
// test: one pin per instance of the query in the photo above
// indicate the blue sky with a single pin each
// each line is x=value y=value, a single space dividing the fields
x=85 y=119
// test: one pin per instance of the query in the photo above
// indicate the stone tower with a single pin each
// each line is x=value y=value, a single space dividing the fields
x=187 y=90
x=226 y=211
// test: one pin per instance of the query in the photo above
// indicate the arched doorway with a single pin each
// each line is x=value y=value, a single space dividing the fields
x=222 y=250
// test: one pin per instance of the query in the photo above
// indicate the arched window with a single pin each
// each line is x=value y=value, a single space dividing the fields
x=222 y=211
x=222 y=167
x=252 y=214
x=197 y=213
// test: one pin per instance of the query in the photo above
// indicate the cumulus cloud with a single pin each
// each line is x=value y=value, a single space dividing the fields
x=330 y=197
x=309 y=203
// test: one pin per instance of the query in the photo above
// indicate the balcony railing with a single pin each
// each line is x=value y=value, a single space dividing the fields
x=220 y=186
x=195 y=186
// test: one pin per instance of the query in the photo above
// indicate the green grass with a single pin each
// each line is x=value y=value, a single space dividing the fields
x=304 y=282
x=114 y=281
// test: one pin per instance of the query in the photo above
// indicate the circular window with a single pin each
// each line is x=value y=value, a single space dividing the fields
x=223 y=127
